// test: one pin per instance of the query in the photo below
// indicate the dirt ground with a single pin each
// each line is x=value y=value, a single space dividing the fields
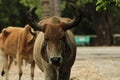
x=83 y=69
x=102 y=69
x=86 y=67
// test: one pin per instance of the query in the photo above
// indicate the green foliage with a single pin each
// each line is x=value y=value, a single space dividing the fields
x=83 y=2
x=12 y=13
x=106 y=4
x=117 y=3
x=62 y=5
x=116 y=18
x=101 y=5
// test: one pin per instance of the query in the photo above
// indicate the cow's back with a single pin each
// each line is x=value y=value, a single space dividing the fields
x=10 y=40
x=53 y=20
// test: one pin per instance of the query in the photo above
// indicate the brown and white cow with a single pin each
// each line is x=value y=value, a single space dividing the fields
x=55 y=48
x=16 y=42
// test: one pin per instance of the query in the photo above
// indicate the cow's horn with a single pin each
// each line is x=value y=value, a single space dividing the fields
x=31 y=20
x=76 y=20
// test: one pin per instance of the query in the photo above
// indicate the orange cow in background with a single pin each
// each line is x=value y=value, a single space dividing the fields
x=16 y=42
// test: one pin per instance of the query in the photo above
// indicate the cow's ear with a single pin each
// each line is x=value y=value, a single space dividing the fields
x=5 y=32
x=30 y=39
x=30 y=30
x=29 y=36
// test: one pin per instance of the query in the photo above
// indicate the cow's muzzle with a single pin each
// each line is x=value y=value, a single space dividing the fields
x=56 y=60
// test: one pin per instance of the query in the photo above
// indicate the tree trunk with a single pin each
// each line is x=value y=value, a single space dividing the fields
x=102 y=24
x=50 y=8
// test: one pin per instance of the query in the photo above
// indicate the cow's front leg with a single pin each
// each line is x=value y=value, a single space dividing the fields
x=50 y=73
x=5 y=66
x=10 y=62
x=65 y=75
x=9 y=65
x=32 y=70
x=19 y=61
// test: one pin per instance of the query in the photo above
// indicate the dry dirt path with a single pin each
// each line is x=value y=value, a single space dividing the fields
x=91 y=64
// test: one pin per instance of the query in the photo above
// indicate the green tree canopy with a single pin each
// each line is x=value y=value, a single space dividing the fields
x=13 y=13
x=106 y=4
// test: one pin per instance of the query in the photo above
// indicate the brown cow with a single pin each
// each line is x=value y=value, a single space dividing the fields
x=16 y=42
x=55 y=48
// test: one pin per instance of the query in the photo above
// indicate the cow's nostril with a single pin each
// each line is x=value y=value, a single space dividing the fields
x=55 y=60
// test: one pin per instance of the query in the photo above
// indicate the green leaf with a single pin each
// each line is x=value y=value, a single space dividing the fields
x=98 y=8
x=105 y=8
x=99 y=2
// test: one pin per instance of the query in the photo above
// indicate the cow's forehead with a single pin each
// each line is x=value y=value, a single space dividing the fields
x=54 y=31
